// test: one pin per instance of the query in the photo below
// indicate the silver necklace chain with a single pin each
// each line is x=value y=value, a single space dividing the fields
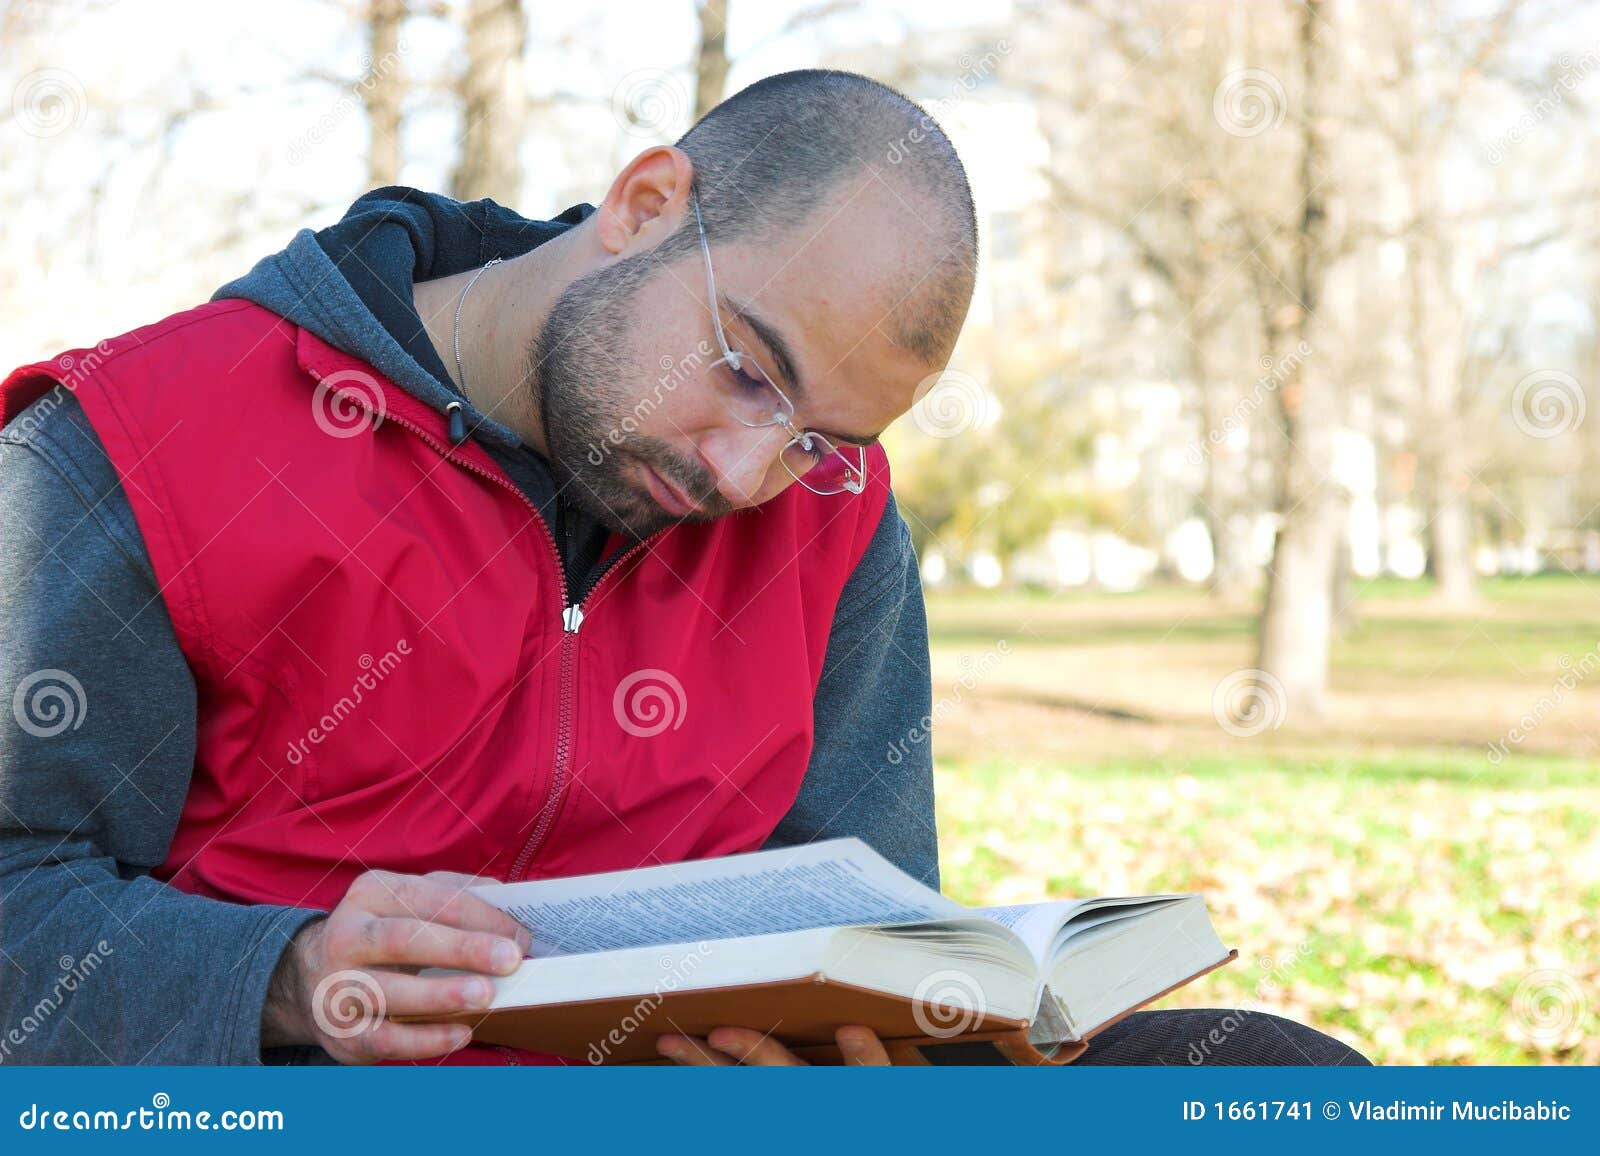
x=456 y=328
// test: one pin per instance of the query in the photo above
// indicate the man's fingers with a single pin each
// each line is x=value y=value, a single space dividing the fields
x=691 y=1052
x=861 y=1045
x=391 y=1041
x=752 y=1047
x=435 y=995
x=461 y=878
x=724 y=1046
x=435 y=900
x=498 y=921
x=377 y=941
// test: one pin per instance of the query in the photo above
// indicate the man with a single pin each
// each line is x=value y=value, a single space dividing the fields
x=450 y=545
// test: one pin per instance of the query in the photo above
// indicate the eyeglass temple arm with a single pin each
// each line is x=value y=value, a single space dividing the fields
x=711 y=283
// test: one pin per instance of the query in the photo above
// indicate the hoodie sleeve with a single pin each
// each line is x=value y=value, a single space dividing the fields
x=102 y=963
x=871 y=769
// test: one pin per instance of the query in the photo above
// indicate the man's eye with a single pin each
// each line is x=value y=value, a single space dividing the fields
x=745 y=381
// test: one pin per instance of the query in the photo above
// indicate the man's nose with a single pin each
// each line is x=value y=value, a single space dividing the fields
x=742 y=458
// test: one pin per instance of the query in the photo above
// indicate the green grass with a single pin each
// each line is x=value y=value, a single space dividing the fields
x=1522 y=625
x=1382 y=879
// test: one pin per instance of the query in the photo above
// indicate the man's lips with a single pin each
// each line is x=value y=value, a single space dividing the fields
x=669 y=496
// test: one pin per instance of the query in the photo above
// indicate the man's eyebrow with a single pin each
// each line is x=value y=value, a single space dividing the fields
x=777 y=348
x=783 y=358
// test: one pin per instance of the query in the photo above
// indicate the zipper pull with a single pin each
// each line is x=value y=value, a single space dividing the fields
x=458 y=424
x=572 y=618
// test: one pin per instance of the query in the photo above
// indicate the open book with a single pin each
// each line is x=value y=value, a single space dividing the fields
x=798 y=941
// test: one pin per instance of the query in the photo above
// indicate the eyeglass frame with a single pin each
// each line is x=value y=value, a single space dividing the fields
x=785 y=415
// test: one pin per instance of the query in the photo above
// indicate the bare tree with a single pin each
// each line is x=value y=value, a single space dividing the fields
x=711 y=61
x=494 y=103
x=1423 y=115
x=384 y=90
x=1296 y=618
x=1182 y=202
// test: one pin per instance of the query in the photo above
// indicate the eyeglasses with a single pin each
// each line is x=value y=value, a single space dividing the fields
x=755 y=400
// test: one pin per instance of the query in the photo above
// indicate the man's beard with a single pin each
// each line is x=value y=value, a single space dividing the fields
x=591 y=404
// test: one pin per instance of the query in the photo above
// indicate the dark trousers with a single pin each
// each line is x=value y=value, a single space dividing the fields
x=1188 y=1036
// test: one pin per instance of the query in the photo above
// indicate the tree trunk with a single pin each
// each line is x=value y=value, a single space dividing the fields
x=1450 y=537
x=711 y=63
x=494 y=104
x=1296 y=617
x=1440 y=473
x=381 y=91
x=1230 y=568
x=1346 y=615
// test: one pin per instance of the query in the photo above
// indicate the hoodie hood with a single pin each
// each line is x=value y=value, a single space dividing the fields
x=350 y=283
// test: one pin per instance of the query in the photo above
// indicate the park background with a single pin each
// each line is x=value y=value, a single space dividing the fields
x=1258 y=509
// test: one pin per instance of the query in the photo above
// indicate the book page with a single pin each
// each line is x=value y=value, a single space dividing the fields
x=836 y=883
x=1036 y=924
x=1046 y=927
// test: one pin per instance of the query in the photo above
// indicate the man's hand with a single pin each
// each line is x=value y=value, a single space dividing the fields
x=725 y=1046
x=340 y=977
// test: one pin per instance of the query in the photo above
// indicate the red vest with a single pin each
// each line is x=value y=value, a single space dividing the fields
x=389 y=674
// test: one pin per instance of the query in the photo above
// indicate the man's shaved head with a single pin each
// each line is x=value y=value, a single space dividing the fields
x=773 y=156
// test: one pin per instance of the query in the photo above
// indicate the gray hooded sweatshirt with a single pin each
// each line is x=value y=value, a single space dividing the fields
x=102 y=963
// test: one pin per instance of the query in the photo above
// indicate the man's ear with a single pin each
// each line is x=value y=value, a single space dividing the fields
x=646 y=201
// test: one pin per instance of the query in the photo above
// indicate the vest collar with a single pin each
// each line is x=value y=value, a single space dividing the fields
x=360 y=384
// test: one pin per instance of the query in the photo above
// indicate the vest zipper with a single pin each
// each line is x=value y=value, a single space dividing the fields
x=571 y=620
